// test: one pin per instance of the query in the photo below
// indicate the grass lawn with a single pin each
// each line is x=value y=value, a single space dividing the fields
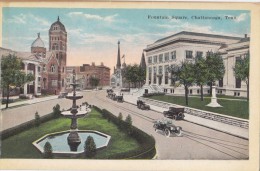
x=20 y=145
x=235 y=108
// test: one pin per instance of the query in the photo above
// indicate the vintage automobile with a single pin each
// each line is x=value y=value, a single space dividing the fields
x=176 y=113
x=141 y=105
x=167 y=127
x=118 y=97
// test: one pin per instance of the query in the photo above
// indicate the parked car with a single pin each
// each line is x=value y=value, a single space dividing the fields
x=118 y=97
x=176 y=113
x=141 y=105
x=167 y=127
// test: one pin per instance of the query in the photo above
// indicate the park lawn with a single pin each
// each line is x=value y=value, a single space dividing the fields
x=20 y=145
x=236 y=108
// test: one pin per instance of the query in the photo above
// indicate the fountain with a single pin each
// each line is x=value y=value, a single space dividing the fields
x=74 y=136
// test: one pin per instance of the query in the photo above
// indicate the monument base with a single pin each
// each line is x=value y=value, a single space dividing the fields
x=214 y=103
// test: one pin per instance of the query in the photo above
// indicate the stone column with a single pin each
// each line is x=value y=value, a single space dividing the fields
x=152 y=76
x=36 y=80
x=157 y=78
x=147 y=76
x=169 y=78
x=25 y=85
x=163 y=75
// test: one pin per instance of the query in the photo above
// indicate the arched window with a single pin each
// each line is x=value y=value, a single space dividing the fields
x=55 y=46
x=52 y=68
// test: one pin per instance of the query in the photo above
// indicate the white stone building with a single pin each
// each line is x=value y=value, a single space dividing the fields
x=186 y=46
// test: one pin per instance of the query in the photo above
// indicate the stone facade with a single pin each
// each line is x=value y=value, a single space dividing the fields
x=185 y=46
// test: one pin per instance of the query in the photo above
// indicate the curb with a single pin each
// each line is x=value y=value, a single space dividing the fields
x=245 y=138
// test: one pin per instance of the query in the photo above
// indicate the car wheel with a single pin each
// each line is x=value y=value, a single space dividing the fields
x=178 y=131
x=167 y=133
x=155 y=130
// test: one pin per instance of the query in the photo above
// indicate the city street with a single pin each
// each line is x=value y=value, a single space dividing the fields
x=197 y=142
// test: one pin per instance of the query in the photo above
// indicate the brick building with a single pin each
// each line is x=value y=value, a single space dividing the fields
x=48 y=67
x=86 y=71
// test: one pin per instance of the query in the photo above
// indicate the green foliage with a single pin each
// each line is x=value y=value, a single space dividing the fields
x=93 y=81
x=201 y=73
x=11 y=74
x=90 y=149
x=241 y=70
x=134 y=74
x=37 y=119
x=184 y=74
x=216 y=68
x=120 y=116
x=47 y=153
x=128 y=125
x=56 y=111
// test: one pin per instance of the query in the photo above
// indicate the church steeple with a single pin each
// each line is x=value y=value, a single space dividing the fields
x=118 y=64
x=143 y=63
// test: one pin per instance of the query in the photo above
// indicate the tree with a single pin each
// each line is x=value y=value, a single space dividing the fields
x=56 y=111
x=47 y=150
x=90 y=147
x=94 y=81
x=141 y=76
x=185 y=75
x=37 y=120
x=200 y=74
x=11 y=75
x=216 y=68
x=241 y=71
x=129 y=122
x=134 y=74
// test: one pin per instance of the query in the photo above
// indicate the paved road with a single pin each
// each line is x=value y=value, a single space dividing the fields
x=197 y=142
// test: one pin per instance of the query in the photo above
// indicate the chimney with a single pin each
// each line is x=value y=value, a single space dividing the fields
x=245 y=35
x=93 y=63
x=102 y=64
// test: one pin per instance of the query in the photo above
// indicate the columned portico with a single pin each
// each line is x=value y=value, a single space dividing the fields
x=25 y=85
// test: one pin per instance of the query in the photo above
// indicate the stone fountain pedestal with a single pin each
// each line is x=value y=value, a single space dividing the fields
x=214 y=102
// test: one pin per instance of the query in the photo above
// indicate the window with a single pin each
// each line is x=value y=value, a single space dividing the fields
x=155 y=59
x=220 y=82
x=44 y=68
x=166 y=56
x=39 y=79
x=199 y=54
x=54 y=83
x=188 y=54
x=160 y=57
x=55 y=46
x=160 y=69
x=173 y=55
x=150 y=60
x=39 y=69
x=52 y=68
x=57 y=56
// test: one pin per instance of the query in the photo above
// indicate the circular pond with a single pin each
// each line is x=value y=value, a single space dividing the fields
x=60 y=144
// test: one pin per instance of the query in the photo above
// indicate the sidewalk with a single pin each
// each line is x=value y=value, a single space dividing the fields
x=229 y=129
x=30 y=101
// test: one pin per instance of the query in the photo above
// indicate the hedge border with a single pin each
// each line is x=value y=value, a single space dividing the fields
x=147 y=149
x=25 y=126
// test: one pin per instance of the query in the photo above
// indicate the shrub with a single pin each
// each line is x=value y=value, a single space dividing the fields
x=120 y=116
x=37 y=120
x=128 y=124
x=90 y=147
x=56 y=111
x=47 y=153
x=120 y=121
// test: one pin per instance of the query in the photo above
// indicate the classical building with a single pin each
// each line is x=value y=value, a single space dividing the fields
x=186 y=46
x=86 y=71
x=48 y=67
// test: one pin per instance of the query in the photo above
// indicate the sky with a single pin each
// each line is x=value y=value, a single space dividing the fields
x=93 y=33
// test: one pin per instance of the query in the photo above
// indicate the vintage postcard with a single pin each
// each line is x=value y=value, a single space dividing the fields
x=129 y=85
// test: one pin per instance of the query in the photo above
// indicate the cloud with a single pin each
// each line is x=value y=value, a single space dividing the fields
x=28 y=19
x=19 y=19
x=241 y=17
x=110 y=18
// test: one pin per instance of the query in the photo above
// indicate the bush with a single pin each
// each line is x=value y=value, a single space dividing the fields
x=147 y=143
x=37 y=120
x=47 y=153
x=128 y=124
x=56 y=111
x=90 y=147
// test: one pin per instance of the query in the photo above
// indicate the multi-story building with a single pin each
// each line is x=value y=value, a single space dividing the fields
x=48 y=67
x=186 y=46
x=86 y=71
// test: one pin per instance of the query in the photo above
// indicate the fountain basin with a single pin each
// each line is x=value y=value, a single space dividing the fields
x=60 y=146
x=79 y=114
